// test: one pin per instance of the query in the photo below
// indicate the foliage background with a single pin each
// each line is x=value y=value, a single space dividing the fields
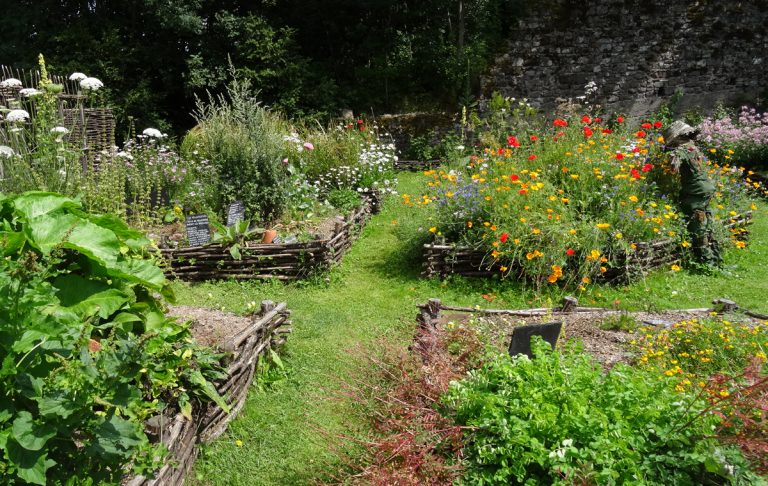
x=305 y=57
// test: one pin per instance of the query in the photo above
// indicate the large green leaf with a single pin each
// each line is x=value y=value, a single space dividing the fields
x=11 y=242
x=48 y=231
x=134 y=239
x=207 y=387
x=31 y=465
x=89 y=297
x=143 y=272
x=30 y=435
x=34 y=204
x=116 y=436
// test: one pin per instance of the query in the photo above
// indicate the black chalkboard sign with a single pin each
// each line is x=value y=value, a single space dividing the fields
x=521 y=337
x=198 y=231
x=235 y=213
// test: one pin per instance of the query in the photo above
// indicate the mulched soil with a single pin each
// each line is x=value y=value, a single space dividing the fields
x=210 y=327
x=608 y=347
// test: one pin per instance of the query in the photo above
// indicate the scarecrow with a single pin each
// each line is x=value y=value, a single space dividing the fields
x=696 y=190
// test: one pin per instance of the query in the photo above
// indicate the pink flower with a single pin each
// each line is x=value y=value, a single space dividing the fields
x=309 y=146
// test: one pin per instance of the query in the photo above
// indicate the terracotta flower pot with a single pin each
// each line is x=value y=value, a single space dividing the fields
x=268 y=236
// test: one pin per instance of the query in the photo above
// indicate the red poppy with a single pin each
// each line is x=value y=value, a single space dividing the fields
x=570 y=252
x=534 y=138
x=597 y=120
x=620 y=119
x=522 y=192
x=619 y=156
x=646 y=125
x=514 y=177
x=647 y=168
x=636 y=150
x=532 y=157
x=500 y=151
x=504 y=237
x=513 y=141
x=559 y=122
x=586 y=119
x=360 y=121
x=634 y=173
x=641 y=134
x=657 y=124
x=607 y=130
x=588 y=132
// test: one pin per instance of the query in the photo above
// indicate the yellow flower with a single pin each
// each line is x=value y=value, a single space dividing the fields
x=685 y=244
x=433 y=229
x=536 y=231
x=530 y=256
x=239 y=443
x=618 y=236
x=470 y=224
x=675 y=268
x=572 y=232
x=603 y=225
x=503 y=268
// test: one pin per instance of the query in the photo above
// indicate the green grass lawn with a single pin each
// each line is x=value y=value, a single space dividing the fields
x=287 y=432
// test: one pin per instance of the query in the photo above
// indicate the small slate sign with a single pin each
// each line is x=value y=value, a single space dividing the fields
x=198 y=231
x=521 y=337
x=235 y=213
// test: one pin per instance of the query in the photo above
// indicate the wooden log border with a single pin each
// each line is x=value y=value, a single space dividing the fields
x=283 y=261
x=443 y=259
x=430 y=314
x=269 y=329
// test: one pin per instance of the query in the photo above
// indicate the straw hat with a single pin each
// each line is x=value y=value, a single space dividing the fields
x=679 y=132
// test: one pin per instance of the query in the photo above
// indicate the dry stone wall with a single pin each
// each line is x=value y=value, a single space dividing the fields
x=638 y=52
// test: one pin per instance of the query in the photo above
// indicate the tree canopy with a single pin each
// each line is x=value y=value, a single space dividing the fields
x=305 y=57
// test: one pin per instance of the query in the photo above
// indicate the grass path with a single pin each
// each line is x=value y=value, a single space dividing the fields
x=372 y=295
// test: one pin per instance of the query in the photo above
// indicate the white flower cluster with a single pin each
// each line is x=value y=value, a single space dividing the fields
x=153 y=133
x=29 y=92
x=6 y=151
x=17 y=116
x=10 y=83
x=91 y=84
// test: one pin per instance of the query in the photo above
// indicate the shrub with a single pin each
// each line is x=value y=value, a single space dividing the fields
x=87 y=353
x=244 y=142
x=558 y=419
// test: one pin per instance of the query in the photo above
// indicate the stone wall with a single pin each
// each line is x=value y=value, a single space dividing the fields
x=638 y=52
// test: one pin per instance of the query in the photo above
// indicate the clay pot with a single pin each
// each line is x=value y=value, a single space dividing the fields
x=268 y=236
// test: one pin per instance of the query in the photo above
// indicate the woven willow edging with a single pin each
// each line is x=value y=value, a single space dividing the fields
x=443 y=259
x=269 y=330
x=283 y=261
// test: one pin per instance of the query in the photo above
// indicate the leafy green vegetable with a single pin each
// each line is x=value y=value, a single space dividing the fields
x=87 y=352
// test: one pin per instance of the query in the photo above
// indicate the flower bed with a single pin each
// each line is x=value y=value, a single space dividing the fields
x=284 y=261
x=567 y=202
x=267 y=330
x=443 y=259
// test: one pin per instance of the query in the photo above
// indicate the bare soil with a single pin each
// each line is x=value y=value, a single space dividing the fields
x=210 y=327
x=607 y=346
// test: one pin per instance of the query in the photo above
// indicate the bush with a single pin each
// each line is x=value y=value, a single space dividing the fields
x=558 y=419
x=244 y=142
x=87 y=353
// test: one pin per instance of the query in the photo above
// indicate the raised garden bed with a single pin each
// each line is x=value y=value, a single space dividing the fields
x=585 y=324
x=245 y=341
x=443 y=259
x=283 y=261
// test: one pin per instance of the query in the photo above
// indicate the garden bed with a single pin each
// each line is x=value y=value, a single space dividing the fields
x=245 y=340
x=592 y=326
x=443 y=259
x=283 y=261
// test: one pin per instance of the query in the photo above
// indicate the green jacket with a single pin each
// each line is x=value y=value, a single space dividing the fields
x=694 y=179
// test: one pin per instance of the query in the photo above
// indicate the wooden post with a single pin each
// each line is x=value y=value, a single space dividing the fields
x=430 y=313
x=725 y=305
x=266 y=306
x=570 y=304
